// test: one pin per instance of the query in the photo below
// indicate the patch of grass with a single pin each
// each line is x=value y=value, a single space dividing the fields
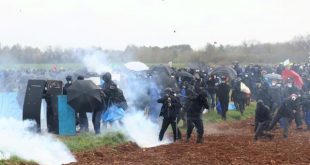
x=14 y=160
x=232 y=115
x=89 y=141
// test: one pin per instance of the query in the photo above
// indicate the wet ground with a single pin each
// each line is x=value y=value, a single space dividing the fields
x=226 y=143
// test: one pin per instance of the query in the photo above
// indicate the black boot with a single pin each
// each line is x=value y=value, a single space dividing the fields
x=199 y=139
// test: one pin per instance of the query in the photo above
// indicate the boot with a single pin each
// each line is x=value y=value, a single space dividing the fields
x=199 y=139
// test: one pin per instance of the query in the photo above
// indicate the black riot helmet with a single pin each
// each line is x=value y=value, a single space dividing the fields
x=69 y=78
x=80 y=77
x=107 y=77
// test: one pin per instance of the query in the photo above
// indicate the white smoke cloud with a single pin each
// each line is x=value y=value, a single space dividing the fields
x=142 y=130
x=136 y=126
x=17 y=139
x=97 y=62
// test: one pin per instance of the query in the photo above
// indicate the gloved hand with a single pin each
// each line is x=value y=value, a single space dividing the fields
x=161 y=113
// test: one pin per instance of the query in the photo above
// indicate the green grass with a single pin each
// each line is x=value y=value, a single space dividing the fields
x=213 y=117
x=14 y=160
x=82 y=142
x=89 y=141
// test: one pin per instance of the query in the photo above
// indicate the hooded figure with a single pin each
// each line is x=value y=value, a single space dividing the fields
x=262 y=119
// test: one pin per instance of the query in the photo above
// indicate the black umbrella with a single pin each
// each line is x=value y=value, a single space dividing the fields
x=224 y=70
x=162 y=69
x=185 y=75
x=84 y=96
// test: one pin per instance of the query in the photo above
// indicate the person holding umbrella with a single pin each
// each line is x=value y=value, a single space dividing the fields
x=85 y=96
x=82 y=116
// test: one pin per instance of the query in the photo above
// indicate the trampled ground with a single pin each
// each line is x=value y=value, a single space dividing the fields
x=228 y=143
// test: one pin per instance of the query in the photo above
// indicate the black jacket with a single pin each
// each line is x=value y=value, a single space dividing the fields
x=197 y=103
x=287 y=107
x=114 y=95
x=171 y=106
x=67 y=85
x=223 y=93
x=262 y=113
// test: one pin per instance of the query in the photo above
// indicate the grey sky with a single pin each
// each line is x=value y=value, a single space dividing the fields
x=114 y=24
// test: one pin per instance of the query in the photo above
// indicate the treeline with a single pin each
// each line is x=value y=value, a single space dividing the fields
x=297 y=50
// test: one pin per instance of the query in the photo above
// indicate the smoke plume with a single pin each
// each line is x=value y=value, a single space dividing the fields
x=137 y=126
x=17 y=139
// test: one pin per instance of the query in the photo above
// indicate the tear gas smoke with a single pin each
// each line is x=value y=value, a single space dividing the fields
x=17 y=139
x=96 y=62
x=136 y=125
x=142 y=130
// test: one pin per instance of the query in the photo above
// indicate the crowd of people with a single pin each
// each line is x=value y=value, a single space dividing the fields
x=185 y=93
x=280 y=99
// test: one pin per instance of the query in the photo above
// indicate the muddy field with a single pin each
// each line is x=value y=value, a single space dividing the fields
x=223 y=144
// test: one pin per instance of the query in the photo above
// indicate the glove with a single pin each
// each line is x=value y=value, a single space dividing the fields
x=205 y=111
x=161 y=113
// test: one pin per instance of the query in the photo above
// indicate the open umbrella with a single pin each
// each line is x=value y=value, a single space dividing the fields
x=162 y=69
x=184 y=75
x=273 y=76
x=298 y=82
x=224 y=70
x=84 y=96
x=136 y=66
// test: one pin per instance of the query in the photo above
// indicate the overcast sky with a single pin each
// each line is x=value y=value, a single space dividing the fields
x=114 y=24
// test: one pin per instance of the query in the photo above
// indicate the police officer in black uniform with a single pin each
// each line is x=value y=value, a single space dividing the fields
x=198 y=101
x=67 y=85
x=170 y=110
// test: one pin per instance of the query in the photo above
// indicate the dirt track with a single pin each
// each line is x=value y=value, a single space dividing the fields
x=223 y=144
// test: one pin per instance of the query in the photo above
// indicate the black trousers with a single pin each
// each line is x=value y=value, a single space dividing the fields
x=96 y=119
x=260 y=128
x=194 y=122
x=241 y=104
x=166 y=122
